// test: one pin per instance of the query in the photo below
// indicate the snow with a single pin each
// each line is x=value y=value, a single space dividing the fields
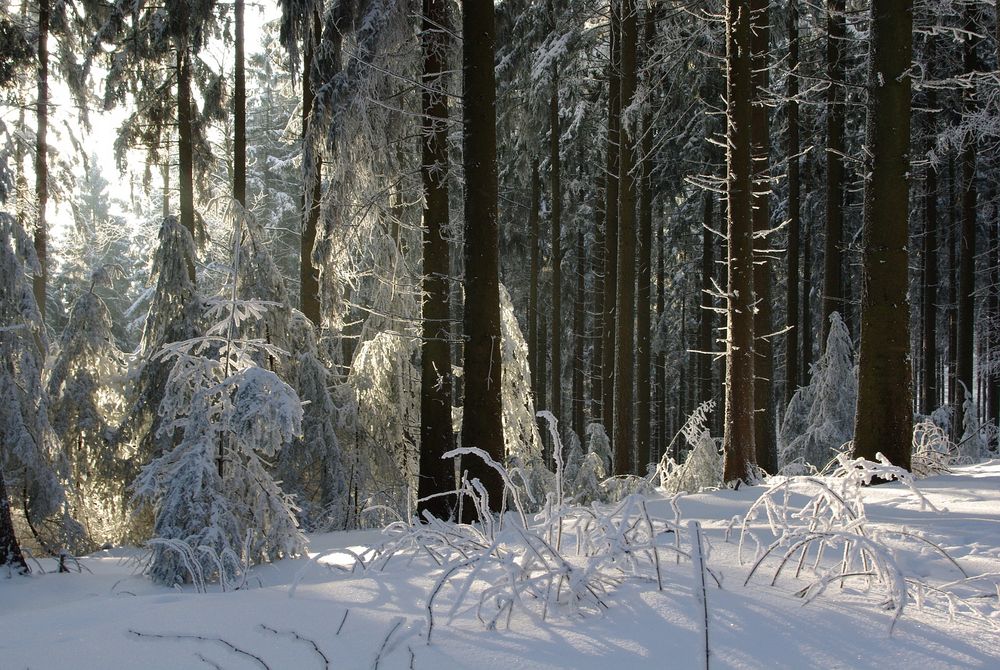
x=90 y=619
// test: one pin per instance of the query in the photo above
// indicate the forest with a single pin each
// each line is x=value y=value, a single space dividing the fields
x=276 y=270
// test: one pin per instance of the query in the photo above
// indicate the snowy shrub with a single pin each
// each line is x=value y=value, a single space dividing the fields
x=823 y=538
x=563 y=562
x=820 y=417
x=213 y=491
x=702 y=468
x=933 y=452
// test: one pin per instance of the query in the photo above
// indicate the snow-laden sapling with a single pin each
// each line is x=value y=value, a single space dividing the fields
x=84 y=380
x=30 y=461
x=213 y=490
x=702 y=468
x=820 y=417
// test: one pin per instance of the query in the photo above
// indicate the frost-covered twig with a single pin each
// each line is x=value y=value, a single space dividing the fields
x=296 y=636
x=202 y=638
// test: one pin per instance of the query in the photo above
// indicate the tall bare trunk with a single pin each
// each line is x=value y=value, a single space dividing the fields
x=738 y=439
x=312 y=185
x=482 y=427
x=611 y=218
x=833 y=275
x=240 y=113
x=884 y=420
x=792 y=323
x=437 y=475
x=624 y=424
x=40 y=280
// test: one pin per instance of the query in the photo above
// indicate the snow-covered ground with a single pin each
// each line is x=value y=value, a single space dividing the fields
x=108 y=616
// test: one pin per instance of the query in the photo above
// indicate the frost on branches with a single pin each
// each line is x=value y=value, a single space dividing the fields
x=820 y=417
x=174 y=315
x=703 y=466
x=213 y=491
x=30 y=460
x=84 y=380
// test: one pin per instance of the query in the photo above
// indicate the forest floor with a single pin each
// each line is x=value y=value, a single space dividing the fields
x=302 y=614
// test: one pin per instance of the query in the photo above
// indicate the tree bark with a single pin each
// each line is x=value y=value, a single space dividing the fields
x=833 y=277
x=579 y=335
x=706 y=317
x=40 y=280
x=10 y=549
x=928 y=397
x=185 y=145
x=738 y=439
x=611 y=219
x=482 y=426
x=884 y=420
x=437 y=475
x=624 y=424
x=312 y=189
x=764 y=423
x=792 y=322
x=240 y=113
x=534 y=351
x=643 y=306
x=967 y=247
x=555 y=185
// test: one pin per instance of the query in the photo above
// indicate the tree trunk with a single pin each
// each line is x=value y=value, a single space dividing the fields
x=10 y=549
x=533 y=281
x=40 y=280
x=833 y=296
x=312 y=188
x=643 y=306
x=738 y=440
x=555 y=185
x=967 y=248
x=807 y=317
x=597 y=313
x=764 y=423
x=706 y=317
x=884 y=420
x=611 y=219
x=185 y=145
x=579 y=335
x=240 y=114
x=928 y=398
x=662 y=433
x=482 y=427
x=792 y=322
x=437 y=475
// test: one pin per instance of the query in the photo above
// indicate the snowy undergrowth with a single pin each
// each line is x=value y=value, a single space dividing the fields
x=818 y=534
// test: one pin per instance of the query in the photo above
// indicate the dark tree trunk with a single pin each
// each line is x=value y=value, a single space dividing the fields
x=643 y=306
x=166 y=191
x=312 y=185
x=597 y=313
x=579 y=336
x=928 y=398
x=555 y=185
x=624 y=422
x=967 y=248
x=764 y=423
x=884 y=420
x=738 y=440
x=807 y=314
x=833 y=282
x=10 y=550
x=792 y=322
x=534 y=351
x=482 y=427
x=40 y=280
x=185 y=145
x=954 y=238
x=706 y=317
x=608 y=324
x=240 y=113
x=662 y=434
x=437 y=475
